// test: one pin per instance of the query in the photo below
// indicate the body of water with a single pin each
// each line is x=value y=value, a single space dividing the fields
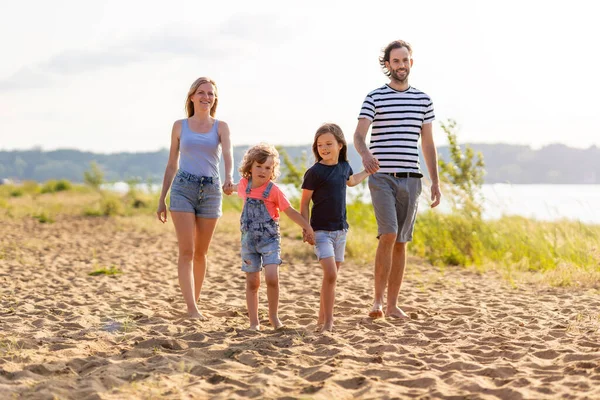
x=542 y=202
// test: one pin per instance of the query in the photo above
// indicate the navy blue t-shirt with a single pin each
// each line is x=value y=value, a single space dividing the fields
x=328 y=183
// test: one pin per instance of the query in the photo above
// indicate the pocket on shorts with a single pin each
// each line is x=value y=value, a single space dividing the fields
x=183 y=185
x=271 y=230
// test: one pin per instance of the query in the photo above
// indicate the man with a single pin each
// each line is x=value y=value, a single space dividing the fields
x=400 y=115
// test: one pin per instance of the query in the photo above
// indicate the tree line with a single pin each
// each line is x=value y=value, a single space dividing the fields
x=504 y=163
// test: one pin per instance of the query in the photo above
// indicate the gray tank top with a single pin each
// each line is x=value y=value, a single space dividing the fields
x=200 y=153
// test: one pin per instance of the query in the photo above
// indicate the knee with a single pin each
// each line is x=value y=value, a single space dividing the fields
x=252 y=285
x=186 y=254
x=388 y=239
x=400 y=247
x=198 y=256
x=330 y=277
x=272 y=280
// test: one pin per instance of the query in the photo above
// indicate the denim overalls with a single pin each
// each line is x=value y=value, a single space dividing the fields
x=260 y=233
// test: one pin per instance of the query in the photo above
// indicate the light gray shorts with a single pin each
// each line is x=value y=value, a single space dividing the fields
x=330 y=244
x=395 y=202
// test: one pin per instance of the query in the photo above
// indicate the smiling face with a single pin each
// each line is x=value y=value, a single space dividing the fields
x=399 y=64
x=262 y=172
x=328 y=148
x=204 y=98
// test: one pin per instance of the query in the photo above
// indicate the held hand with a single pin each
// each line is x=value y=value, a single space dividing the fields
x=308 y=236
x=228 y=186
x=370 y=163
x=161 y=213
x=436 y=195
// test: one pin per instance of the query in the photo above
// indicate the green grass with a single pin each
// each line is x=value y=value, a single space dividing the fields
x=561 y=253
x=106 y=271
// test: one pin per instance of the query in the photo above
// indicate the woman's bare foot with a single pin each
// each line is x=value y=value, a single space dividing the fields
x=395 y=312
x=376 y=311
x=255 y=327
x=197 y=315
x=327 y=327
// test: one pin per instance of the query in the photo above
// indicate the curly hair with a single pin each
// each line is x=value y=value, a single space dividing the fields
x=260 y=153
x=189 y=105
x=385 y=56
x=337 y=133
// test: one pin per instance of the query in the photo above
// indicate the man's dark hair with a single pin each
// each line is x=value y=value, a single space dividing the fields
x=385 y=56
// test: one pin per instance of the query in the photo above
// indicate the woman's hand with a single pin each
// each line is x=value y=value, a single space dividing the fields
x=161 y=213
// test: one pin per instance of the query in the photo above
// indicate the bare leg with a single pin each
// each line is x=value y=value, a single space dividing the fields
x=252 y=285
x=184 y=226
x=205 y=228
x=330 y=270
x=383 y=264
x=321 y=319
x=395 y=281
x=272 y=280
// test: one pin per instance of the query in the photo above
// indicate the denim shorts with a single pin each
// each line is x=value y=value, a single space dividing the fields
x=395 y=202
x=330 y=244
x=259 y=249
x=200 y=195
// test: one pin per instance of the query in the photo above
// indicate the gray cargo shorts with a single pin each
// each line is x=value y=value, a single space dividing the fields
x=395 y=202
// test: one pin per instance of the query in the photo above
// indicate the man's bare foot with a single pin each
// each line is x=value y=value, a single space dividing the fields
x=397 y=313
x=276 y=323
x=197 y=315
x=255 y=327
x=376 y=311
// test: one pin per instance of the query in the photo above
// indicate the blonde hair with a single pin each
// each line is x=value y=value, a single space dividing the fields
x=259 y=153
x=189 y=105
x=337 y=133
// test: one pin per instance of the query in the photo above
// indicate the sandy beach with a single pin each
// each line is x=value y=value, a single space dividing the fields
x=65 y=334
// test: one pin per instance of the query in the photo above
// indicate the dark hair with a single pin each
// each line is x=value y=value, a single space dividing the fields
x=337 y=133
x=385 y=56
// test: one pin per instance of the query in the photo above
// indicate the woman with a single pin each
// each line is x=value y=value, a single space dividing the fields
x=192 y=173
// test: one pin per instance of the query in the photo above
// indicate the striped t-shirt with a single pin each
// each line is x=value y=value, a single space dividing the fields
x=397 y=118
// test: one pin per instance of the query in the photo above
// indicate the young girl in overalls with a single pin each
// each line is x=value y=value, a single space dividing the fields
x=261 y=239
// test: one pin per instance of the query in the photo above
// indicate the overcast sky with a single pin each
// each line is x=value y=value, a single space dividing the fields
x=111 y=76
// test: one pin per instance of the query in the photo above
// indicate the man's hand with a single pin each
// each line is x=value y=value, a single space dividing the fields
x=370 y=163
x=436 y=195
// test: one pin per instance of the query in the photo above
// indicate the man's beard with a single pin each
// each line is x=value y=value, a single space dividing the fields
x=395 y=77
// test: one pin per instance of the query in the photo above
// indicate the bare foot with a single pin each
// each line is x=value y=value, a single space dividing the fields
x=397 y=313
x=276 y=323
x=376 y=312
x=197 y=315
x=255 y=327
x=327 y=327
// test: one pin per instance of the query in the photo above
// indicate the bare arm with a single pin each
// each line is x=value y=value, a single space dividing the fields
x=305 y=212
x=225 y=138
x=299 y=219
x=170 y=171
x=357 y=178
x=369 y=161
x=305 y=203
x=430 y=156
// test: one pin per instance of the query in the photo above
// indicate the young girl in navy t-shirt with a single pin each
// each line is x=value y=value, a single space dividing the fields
x=325 y=184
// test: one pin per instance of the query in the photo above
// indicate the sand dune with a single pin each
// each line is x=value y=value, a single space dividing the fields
x=66 y=334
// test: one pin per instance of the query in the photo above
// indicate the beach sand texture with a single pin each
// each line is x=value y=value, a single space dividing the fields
x=66 y=334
